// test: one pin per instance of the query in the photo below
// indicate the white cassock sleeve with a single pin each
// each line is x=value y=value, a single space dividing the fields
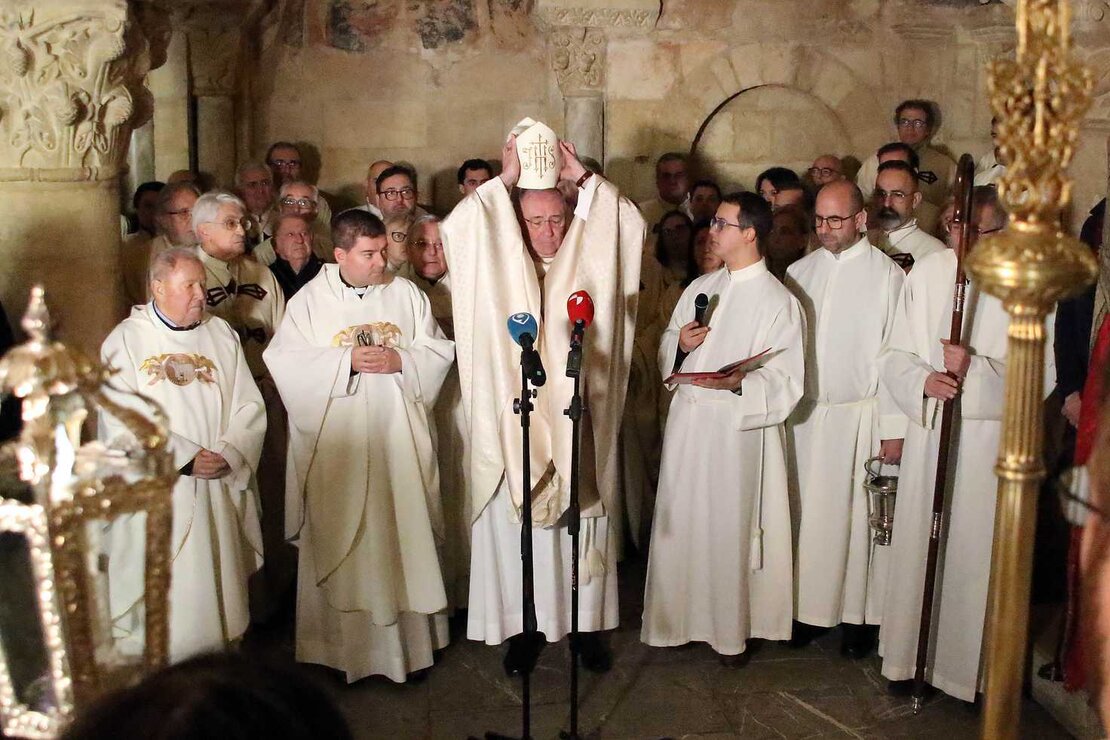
x=426 y=362
x=770 y=393
x=903 y=371
x=241 y=440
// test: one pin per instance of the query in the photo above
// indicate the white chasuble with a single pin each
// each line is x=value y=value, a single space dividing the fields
x=245 y=294
x=923 y=319
x=363 y=488
x=720 y=565
x=492 y=277
x=200 y=378
x=849 y=302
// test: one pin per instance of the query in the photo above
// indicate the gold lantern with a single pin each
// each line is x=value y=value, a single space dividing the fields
x=59 y=648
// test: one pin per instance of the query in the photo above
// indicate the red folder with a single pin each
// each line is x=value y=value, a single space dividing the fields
x=747 y=365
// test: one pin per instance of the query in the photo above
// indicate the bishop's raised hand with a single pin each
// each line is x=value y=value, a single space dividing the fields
x=510 y=163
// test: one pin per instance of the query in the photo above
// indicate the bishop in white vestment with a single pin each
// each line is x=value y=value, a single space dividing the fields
x=359 y=360
x=495 y=273
x=720 y=566
x=913 y=370
x=849 y=292
x=191 y=364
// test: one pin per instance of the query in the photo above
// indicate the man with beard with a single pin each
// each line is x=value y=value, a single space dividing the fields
x=895 y=198
x=914 y=369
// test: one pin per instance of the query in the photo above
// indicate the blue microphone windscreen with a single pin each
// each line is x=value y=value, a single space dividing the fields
x=523 y=323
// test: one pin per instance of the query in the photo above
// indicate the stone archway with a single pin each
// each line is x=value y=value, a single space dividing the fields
x=828 y=99
x=763 y=126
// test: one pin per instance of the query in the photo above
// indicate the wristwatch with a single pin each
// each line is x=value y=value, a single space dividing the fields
x=582 y=180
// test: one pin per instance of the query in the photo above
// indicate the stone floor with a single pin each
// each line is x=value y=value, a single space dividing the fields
x=659 y=693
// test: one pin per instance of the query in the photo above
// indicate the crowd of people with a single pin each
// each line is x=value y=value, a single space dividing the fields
x=344 y=383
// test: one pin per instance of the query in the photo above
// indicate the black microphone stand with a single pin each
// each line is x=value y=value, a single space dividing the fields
x=574 y=370
x=524 y=407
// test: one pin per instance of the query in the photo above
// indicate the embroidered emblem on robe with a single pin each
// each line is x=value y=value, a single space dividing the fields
x=378 y=334
x=219 y=294
x=179 y=368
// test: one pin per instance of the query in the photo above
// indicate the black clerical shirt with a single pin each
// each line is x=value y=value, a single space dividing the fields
x=291 y=281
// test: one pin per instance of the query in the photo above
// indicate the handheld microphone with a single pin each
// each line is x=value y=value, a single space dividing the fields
x=701 y=305
x=524 y=329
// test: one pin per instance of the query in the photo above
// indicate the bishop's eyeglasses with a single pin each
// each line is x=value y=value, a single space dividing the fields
x=539 y=221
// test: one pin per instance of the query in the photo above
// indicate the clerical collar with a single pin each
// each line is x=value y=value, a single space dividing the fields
x=170 y=324
x=753 y=270
x=852 y=251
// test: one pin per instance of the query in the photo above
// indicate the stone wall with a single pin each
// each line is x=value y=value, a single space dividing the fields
x=743 y=84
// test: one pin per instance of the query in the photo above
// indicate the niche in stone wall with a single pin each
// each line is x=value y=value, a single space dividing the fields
x=765 y=126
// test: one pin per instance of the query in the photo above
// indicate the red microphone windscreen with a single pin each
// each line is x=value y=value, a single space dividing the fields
x=580 y=306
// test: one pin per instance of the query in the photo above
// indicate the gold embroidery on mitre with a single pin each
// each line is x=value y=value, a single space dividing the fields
x=378 y=334
x=179 y=368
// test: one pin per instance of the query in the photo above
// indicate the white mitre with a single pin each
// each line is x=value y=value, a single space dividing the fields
x=538 y=149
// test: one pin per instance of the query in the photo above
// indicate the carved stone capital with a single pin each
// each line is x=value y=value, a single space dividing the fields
x=578 y=59
x=632 y=14
x=71 y=87
x=215 y=34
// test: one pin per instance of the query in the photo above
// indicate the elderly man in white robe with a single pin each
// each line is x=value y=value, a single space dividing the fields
x=247 y=295
x=428 y=267
x=849 y=292
x=191 y=363
x=895 y=198
x=359 y=361
x=913 y=369
x=720 y=564
x=499 y=265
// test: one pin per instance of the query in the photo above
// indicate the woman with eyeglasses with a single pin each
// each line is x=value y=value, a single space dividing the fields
x=397 y=232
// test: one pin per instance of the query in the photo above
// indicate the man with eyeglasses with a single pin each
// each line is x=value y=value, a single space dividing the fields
x=174 y=226
x=927 y=214
x=286 y=164
x=247 y=296
x=849 y=291
x=915 y=122
x=825 y=169
x=397 y=192
x=914 y=367
x=501 y=263
x=895 y=199
x=299 y=198
x=720 y=565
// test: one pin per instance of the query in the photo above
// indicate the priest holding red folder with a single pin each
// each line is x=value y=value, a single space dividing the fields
x=720 y=567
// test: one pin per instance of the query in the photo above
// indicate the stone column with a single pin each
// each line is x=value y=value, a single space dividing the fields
x=576 y=47
x=215 y=33
x=578 y=59
x=71 y=91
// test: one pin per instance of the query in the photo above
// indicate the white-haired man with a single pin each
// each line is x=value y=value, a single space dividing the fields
x=247 y=296
x=192 y=364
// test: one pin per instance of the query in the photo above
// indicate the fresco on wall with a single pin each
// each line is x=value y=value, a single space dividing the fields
x=441 y=22
x=358 y=25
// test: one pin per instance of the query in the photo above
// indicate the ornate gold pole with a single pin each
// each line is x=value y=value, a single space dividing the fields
x=1039 y=99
